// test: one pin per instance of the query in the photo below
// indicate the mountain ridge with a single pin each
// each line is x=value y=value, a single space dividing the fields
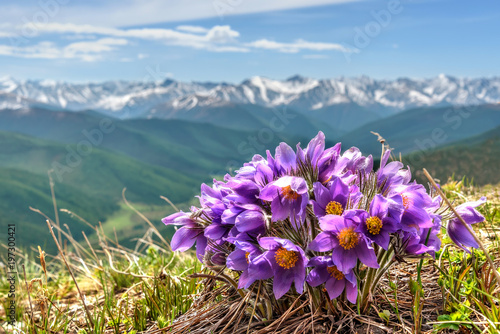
x=133 y=99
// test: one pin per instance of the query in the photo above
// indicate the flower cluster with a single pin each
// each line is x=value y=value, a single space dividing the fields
x=316 y=216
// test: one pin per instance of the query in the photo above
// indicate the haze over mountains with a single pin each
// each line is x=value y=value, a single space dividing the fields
x=168 y=137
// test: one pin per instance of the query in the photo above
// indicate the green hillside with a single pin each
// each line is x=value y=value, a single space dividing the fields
x=148 y=157
x=476 y=158
x=425 y=128
x=250 y=117
x=194 y=148
x=21 y=189
x=91 y=188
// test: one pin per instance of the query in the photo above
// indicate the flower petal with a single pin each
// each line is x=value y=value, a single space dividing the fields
x=334 y=287
x=367 y=255
x=183 y=239
x=237 y=260
x=324 y=242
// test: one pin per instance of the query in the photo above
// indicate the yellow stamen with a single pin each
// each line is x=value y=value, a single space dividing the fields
x=246 y=256
x=374 y=225
x=334 y=208
x=406 y=201
x=286 y=258
x=289 y=193
x=348 y=238
x=334 y=272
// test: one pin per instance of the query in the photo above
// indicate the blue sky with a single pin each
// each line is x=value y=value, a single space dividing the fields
x=231 y=40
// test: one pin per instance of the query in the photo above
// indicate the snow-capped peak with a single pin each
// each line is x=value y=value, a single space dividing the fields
x=138 y=99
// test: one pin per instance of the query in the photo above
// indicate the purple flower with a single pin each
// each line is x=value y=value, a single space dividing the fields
x=185 y=237
x=288 y=196
x=246 y=258
x=243 y=191
x=458 y=232
x=329 y=165
x=313 y=152
x=335 y=281
x=342 y=235
x=377 y=225
x=415 y=201
x=391 y=174
x=249 y=219
x=284 y=161
x=356 y=162
x=333 y=201
x=288 y=263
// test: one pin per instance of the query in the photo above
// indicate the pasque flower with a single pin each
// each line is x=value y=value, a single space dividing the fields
x=458 y=232
x=288 y=196
x=336 y=282
x=288 y=262
x=246 y=258
x=377 y=224
x=185 y=237
x=342 y=235
x=258 y=224
x=333 y=201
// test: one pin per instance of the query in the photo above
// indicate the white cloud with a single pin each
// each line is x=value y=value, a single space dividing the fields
x=125 y=13
x=297 y=46
x=86 y=51
x=219 y=38
x=210 y=40
x=99 y=46
x=142 y=56
x=4 y=34
x=192 y=29
x=315 y=57
x=229 y=49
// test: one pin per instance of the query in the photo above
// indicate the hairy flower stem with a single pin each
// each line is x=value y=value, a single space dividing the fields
x=373 y=276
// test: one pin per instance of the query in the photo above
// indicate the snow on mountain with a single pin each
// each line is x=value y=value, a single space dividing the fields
x=127 y=99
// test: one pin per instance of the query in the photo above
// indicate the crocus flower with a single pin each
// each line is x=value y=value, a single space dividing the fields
x=246 y=258
x=288 y=196
x=342 y=236
x=288 y=263
x=377 y=225
x=335 y=281
x=458 y=232
x=185 y=237
x=333 y=201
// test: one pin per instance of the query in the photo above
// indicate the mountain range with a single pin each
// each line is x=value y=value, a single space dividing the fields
x=327 y=100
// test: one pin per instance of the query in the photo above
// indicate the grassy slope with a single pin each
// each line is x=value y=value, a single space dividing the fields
x=403 y=131
x=195 y=148
x=476 y=158
x=92 y=189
